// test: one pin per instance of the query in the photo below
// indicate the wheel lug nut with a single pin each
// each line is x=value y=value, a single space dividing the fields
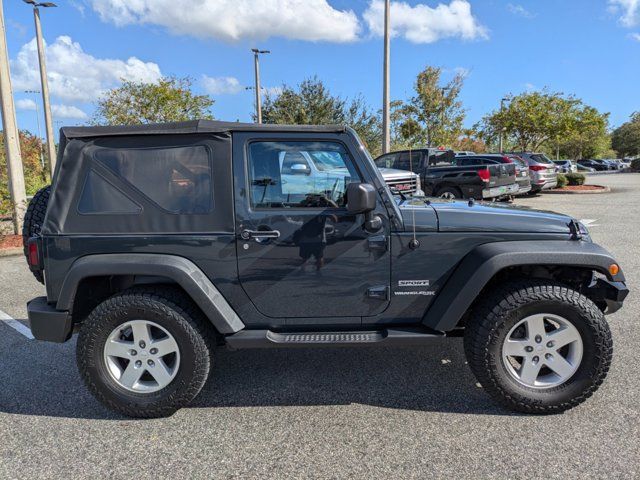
x=536 y=359
x=538 y=339
x=548 y=356
x=138 y=364
x=142 y=344
x=528 y=348
x=550 y=344
x=154 y=351
x=150 y=363
x=133 y=353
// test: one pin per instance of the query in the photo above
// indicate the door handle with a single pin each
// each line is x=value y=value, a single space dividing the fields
x=378 y=242
x=259 y=234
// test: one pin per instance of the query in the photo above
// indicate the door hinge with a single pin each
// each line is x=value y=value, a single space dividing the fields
x=379 y=293
x=378 y=242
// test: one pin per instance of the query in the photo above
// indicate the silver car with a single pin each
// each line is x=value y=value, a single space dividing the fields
x=541 y=170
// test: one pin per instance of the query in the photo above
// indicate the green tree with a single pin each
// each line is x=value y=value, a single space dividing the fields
x=626 y=138
x=587 y=136
x=35 y=176
x=169 y=100
x=311 y=103
x=434 y=115
x=532 y=119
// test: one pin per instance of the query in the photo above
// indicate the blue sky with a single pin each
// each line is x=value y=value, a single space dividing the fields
x=590 y=48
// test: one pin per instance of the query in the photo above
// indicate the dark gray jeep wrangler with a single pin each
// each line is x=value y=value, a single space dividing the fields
x=157 y=243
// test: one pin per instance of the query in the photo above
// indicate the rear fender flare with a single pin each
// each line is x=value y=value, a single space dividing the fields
x=184 y=272
x=478 y=267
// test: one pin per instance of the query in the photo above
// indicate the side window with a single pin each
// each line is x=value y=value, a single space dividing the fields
x=178 y=179
x=99 y=197
x=299 y=174
x=444 y=158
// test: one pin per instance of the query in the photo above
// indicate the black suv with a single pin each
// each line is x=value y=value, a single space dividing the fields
x=158 y=243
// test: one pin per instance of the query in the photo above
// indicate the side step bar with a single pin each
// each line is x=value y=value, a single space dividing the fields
x=387 y=337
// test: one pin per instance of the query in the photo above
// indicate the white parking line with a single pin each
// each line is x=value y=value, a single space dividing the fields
x=589 y=222
x=16 y=325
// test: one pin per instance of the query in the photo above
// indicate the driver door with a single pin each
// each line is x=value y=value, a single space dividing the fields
x=302 y=257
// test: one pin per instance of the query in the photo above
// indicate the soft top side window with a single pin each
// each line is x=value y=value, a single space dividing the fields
x=299 y=174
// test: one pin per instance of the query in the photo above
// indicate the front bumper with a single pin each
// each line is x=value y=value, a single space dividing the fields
x=609 y=292
x=47 y=323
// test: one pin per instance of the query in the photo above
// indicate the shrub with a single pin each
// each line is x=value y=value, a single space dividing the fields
x=575 y=179
x=635 y=165
x=562 y=180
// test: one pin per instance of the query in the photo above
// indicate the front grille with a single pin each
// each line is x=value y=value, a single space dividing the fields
x=407 y=185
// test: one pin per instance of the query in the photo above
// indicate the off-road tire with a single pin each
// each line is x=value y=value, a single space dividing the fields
x=33 y=220
x=494 y=317
x=172 y=310
x=454 y=191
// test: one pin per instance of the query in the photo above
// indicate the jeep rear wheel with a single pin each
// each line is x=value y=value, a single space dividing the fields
x=145 y=352
x=538 y=346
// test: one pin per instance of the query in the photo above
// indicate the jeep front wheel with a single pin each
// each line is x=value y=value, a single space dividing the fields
x=538 y=346
x=145 y=352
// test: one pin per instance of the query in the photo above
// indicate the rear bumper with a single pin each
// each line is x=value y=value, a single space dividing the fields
x=500 y=191
x=609 y=292
x=47 y=323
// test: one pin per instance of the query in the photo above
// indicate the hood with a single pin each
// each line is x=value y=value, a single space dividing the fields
x=462 y=216
x=391 y=173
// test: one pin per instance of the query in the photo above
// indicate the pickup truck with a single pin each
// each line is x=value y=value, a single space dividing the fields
x=441 y=175
x=159 y=244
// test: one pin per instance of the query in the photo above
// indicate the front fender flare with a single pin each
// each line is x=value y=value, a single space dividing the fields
x=182 y=271
x=479 y=266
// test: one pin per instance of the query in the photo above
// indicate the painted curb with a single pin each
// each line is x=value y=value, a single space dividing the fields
x=579 y=192
x=11 y=252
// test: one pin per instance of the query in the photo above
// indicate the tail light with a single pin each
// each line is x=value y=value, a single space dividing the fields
x=484 y=174
x=33 y=254
x=537 y=168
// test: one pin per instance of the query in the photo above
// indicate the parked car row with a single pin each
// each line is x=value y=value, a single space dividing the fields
x=449 y=174
x=443 y=174
x=602 y=165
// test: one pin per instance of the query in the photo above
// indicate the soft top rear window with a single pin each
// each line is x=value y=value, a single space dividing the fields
x=178 y=179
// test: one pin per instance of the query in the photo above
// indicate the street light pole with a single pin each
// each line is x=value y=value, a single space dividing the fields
x=256 y=55
x=506 y=99
x=51 y=142
x=11 y=136
x=386 y=94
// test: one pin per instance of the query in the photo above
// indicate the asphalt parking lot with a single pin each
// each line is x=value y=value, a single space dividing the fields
x=337 y=413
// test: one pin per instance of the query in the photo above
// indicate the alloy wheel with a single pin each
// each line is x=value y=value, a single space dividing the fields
x=542 y=351
x=141 y=356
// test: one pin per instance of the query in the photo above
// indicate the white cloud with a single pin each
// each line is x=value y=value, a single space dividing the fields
x=75 y=75
x=232 y=20
x=635 y=36
x=530 y=87
x=68 y=112
x=221 y=85
x=424 y=24
x=25 y=104
x=629 y=11
x=520 y=11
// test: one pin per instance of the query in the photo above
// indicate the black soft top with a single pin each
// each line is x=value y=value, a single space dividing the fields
x=194 y=126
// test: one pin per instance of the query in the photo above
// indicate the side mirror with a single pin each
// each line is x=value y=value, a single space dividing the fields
x=300 y=169
x=362 y=198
